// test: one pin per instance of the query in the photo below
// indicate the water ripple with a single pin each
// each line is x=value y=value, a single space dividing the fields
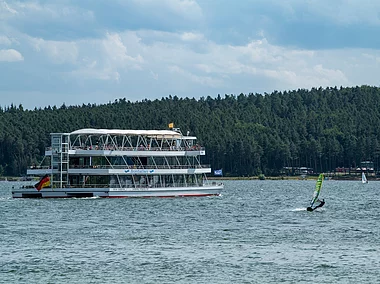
x=256 y=232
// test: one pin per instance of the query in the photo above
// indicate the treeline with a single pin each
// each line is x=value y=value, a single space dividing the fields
x=244 y=135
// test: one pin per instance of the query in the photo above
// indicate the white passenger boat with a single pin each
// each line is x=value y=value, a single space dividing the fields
x=121 y=163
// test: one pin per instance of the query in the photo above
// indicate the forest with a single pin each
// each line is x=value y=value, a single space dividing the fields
x=244 y=135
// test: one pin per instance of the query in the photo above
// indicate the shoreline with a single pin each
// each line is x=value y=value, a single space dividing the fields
x=351 y=178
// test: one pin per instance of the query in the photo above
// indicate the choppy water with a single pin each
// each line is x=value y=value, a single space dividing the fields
x=257 y=232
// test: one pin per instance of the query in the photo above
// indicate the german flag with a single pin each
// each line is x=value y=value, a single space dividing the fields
x=44 y=182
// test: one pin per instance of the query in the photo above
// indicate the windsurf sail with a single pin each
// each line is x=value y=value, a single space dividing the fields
x=364 y=178
x=317 y=190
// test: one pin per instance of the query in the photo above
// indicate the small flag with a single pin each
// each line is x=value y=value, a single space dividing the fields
x=218 y=172
x=44 y=182
x=171 y=125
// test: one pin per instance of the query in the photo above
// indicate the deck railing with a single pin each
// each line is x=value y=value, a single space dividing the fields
x=129 y=167
x=141 y=148
x=140 y=167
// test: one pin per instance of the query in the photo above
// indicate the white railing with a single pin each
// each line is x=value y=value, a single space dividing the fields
x=131 y=167
x=113 y=148
x=126 y=167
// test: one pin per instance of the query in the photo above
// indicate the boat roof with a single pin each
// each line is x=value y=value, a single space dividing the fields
x=152 y=133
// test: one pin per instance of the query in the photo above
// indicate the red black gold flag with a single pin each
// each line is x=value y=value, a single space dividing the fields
x=44 y=182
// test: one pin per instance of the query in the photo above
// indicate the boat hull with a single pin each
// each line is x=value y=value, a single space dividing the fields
x=214 y=190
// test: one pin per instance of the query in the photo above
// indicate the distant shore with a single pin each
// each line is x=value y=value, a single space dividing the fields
x=336 y=177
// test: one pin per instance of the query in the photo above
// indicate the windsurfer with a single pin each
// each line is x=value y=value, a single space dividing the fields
x=321 y=203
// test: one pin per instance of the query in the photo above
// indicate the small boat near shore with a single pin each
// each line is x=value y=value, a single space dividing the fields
x=364 y=178
x=113 y=163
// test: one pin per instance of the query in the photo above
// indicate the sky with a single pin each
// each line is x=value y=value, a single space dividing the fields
x=95 y=51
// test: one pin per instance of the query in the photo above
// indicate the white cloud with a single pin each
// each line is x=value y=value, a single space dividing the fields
x=190 y=36
x=91 y=72
x=187 y=9
x=154 y=75
x=5 y=40
x=182 y=6
x=58 y=52
x=341 y=12
x=154 y=63
x=10 y=55
x=315 y=76
x=117 y=54
x=289 y=67
x=371 y=57
x=107 y=59
x=332 y=74
x=204 y=67
x=59 y=11
x=6 y=10
x=203 y=80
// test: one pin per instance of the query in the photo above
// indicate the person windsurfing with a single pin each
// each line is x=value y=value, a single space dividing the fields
x=321 y=203
x=316 y=193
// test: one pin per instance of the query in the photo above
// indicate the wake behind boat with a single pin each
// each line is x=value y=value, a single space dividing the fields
x=121 y=163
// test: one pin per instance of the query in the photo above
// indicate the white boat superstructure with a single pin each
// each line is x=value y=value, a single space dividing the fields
x=122 y=163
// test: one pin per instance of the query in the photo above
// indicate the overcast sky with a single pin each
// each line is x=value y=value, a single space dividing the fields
x=95 y=51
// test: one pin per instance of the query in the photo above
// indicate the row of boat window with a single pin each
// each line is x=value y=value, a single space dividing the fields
x=132 y=181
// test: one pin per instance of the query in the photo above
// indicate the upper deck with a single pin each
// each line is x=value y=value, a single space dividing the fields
x=110 y=142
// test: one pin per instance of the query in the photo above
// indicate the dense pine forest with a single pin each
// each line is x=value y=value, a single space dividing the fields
x=245 y=135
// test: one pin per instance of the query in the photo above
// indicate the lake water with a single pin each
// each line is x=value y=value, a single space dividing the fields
x=256 y=232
